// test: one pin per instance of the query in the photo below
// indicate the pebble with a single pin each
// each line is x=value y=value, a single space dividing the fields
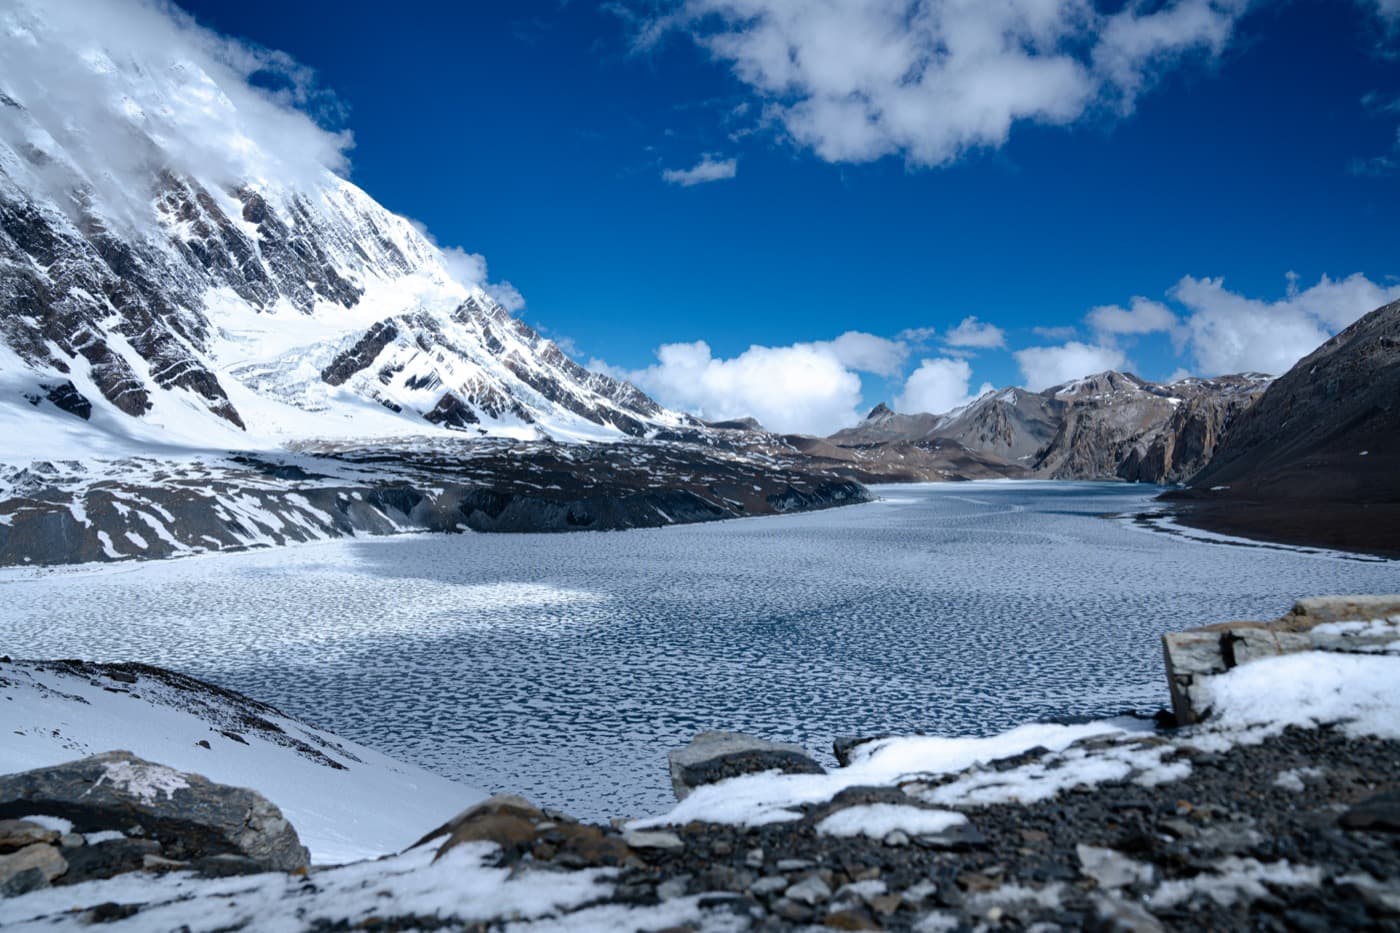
x=811 y=891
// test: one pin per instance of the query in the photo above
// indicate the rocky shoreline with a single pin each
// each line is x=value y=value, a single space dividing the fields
x=149 y=509
x=1278 y=810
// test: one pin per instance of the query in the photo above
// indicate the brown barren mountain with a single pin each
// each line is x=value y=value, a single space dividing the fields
x=1316 y=460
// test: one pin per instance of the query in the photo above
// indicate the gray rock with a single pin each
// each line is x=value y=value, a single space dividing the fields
x=770 y=885
x=673 y=888
x=109 y=858
x=1111 y=869
x=795 y=864
x=30 y=868
x=793 y=911
x=640 y=839
x=190 y=816
x=1119 y=916
x=844 y=746
x=714 y=756
x=811 y=891
x=1380 y=813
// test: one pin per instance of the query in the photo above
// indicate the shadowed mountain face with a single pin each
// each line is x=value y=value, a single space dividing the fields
x=1317 y=458
x=1108 y=426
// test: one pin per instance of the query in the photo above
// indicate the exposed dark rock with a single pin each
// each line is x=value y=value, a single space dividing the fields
x=487 y=486
x=714 y=756
x=1380 y=813
x=186 y=814
x=66 y=396
x=1316 y=460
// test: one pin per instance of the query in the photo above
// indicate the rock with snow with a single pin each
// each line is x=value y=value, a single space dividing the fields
x=189 y=815
x=1350 y=624
x=346 y=801
x=715 y=756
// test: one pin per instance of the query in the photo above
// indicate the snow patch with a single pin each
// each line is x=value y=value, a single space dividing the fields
x=145 y=782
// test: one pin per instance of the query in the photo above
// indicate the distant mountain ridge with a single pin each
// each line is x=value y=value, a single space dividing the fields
x=1110 y=425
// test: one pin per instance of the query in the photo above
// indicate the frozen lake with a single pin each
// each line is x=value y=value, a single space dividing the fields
x=564 y=666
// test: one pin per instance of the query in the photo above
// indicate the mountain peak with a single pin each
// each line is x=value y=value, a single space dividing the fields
x=880 y=412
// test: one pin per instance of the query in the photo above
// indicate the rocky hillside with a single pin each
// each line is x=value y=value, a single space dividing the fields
x=142 y=508
x=1108 y=426
x=1317 y=459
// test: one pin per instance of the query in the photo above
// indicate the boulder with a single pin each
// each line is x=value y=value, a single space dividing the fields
x=1380 y=813
x=714 y=756
x=519 y=828
x=189 y=816
x=20 y=834
x=1194 y=656
x=30 y=868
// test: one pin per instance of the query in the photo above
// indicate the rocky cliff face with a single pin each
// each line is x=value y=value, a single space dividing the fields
x=1116 y=425
x=1316 y=460
x=1107 y=426
x=1327 y=429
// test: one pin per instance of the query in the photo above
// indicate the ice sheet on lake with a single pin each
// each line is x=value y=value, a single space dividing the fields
x=564 y=666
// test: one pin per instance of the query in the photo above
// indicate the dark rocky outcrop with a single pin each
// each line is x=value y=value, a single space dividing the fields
x=128 y=814
x=715 y=756
x=1316 y=460
x=147 y=510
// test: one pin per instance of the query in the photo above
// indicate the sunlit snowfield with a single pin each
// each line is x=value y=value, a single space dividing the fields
x=564 y=666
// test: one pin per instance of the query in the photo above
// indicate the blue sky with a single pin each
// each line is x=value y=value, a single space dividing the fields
x=1234 y=166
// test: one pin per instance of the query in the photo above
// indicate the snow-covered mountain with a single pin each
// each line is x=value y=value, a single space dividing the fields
x=165 y=274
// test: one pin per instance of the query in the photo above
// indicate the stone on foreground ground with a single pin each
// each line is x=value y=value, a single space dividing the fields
x=714 y=756
x=117 y=813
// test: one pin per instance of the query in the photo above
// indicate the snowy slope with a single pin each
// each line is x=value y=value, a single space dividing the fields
x=170 y=257
x=346 y=801
x=953 y=780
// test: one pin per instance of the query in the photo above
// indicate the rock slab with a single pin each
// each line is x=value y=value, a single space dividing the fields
x=189 y=815
x=715 y=756
x=1194 y=656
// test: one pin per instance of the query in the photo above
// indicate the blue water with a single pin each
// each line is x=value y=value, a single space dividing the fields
x=564 y=666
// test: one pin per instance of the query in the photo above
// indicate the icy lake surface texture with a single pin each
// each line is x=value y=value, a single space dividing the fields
x=564 y=666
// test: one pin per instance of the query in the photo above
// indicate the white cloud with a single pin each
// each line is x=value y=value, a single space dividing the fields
x=117 y=90
x=1143 y=316
x=868 y=353
x=931 y=79
x=128 y=87
x=706 y=170
x=1055 y=333
x=507 y=296
x=1388 y=10
x=470 y=269
x=1043 y=367
x=801 y=388
x=1228 y=332
x=938 y=386
x=973 y=333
